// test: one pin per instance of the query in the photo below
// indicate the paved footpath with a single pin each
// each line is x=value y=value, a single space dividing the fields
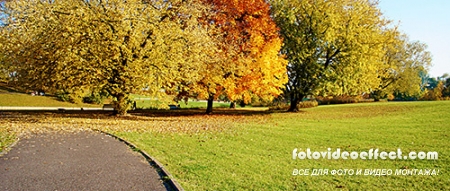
x=81 y=161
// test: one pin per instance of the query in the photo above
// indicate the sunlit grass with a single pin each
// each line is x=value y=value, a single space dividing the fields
x=257 y=155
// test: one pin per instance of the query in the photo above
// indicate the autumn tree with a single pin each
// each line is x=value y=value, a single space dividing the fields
x=333 y=47
x=118 y=47
x=434 y=93
x=437 y=88
x=248 y=60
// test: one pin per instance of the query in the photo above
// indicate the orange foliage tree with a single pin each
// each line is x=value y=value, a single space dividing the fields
x=247 y=62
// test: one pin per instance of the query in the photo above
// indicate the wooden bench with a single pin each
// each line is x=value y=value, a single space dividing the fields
x=109 y=107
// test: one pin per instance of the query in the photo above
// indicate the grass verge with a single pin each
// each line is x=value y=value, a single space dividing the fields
x=7 y=137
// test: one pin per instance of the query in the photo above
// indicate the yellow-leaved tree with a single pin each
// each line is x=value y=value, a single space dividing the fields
x=117 y=46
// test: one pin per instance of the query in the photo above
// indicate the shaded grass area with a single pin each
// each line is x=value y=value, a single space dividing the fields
x=19 y=99
x=9 y=98
x=150 y=102
x=199 y=104
x=252 y=150
x=154 y=104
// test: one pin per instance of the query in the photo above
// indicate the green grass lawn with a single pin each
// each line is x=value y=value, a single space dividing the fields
x=257 y=155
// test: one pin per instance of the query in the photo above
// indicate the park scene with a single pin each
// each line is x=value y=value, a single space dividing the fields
x=218 y=95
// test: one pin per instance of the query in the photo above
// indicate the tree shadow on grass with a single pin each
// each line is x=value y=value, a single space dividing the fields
x=199 y=112
x=4 y=88
x=142 y=115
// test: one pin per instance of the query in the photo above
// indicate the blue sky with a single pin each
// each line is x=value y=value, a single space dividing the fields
x=427 y=21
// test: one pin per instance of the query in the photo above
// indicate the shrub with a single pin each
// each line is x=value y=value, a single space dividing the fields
x=434 y=94
x=400 y=96
x=391 y=97
x=76 y=97
x=73 y=97
x=94 y=98
x=63 y=96
x=279 y=106
x=445 y=98
x=285 y=106
x=279 y=103
x=338 y=100
x=308 y=104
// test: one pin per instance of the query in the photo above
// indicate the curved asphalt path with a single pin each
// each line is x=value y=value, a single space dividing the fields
x=81 y=161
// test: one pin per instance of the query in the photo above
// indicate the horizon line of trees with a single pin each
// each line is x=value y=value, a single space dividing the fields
x=240 y=51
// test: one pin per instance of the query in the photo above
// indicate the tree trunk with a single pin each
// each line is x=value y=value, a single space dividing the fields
x=121 y=104
x=294 y=105
x=242 y=104
x=377 y=95
x=209 y=108
x=233 y=105
x=295 y=100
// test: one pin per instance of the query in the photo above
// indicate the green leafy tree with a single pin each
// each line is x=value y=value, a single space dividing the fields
x=432 y=83
x=404 y=63
x=333 y=47
x=116 y=46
